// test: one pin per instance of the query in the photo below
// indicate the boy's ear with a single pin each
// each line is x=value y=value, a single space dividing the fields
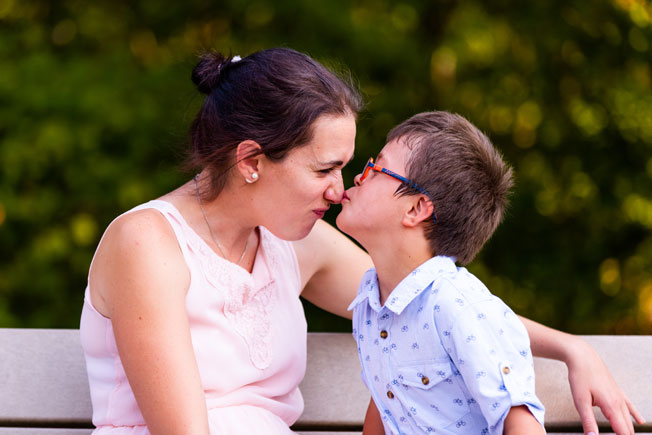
x=420 y=211
x=247 y=162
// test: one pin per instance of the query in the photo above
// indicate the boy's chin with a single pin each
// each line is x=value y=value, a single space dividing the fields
x=343 y=224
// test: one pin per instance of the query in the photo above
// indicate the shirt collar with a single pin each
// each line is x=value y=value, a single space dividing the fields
x=408 y=289
x=368 y=290
x=417 y=281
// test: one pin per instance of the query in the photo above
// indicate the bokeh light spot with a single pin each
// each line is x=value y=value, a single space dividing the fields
x=638 y=209
x=443 y=64
x=5 y=7
x=259 y=15
x=637 y=40
x=143 y=46
x=610 y=276
x=500 y=119
x=84 y=229
x=64 y=32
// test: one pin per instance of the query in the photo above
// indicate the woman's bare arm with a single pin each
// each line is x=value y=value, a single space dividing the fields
x=590 y=380
x=140 y=280
x=331 y=268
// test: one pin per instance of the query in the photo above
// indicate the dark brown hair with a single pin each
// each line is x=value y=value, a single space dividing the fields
x=464 y=175
x=273 y=97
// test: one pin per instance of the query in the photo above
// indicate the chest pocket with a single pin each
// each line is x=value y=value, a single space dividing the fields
x=431 y=393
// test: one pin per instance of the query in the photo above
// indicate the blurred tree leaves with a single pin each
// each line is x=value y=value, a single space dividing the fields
x=95 y=102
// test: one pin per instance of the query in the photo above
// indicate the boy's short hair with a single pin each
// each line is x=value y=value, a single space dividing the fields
x=464 y=175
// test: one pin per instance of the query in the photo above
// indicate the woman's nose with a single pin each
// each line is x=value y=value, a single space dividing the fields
x=334 y=192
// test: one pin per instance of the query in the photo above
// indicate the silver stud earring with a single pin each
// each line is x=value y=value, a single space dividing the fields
x=254 y=177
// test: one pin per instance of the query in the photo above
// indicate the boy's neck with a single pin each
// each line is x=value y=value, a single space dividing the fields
x=394 y=262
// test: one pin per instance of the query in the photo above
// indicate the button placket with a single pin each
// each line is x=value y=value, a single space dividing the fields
x=385 y=318
x=384 y=322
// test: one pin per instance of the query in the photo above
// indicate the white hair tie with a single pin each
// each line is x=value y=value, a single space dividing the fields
x=235 y=59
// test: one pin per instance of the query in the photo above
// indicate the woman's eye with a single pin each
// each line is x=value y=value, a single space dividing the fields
x=325 y=171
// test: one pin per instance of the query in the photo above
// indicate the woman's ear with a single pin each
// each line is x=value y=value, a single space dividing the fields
x=420 y=211
x=248 y=158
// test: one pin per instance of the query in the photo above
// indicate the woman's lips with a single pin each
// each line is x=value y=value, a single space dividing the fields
x=320 y=212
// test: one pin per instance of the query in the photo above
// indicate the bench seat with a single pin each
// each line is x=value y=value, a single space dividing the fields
x=44 y=387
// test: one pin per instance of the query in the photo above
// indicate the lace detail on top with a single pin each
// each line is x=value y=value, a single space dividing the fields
x=245 y=306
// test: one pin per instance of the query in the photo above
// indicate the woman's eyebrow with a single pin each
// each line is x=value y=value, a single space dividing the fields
x=336 y=162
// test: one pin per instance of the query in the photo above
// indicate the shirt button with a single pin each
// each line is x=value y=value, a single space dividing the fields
x=390 y=394
x=506 y=370
x=425 y=380
x=383 y=334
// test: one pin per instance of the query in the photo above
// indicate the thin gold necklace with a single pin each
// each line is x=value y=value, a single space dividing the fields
x=201 y=206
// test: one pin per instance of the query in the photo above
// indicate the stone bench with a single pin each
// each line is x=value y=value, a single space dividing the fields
x=44 y=387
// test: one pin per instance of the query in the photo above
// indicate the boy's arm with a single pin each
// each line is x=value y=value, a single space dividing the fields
x=373 y=425
x=590 y=380
x=490 y=349
x=520 y=420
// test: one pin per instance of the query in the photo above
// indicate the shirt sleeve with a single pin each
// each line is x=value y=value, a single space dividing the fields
x=490 y=347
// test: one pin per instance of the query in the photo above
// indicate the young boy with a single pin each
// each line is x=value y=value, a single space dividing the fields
x=439 y=352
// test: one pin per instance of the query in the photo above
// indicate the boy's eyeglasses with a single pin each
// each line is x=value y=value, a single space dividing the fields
x=371 y=165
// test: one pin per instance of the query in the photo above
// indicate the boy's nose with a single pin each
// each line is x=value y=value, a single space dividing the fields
x=356 y=179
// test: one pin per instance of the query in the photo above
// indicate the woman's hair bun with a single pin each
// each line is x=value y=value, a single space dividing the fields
x=207 y=73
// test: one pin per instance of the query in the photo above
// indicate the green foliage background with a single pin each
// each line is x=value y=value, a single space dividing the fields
x=95 y=102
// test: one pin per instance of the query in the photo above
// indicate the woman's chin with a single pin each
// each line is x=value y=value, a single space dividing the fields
x=293 y=234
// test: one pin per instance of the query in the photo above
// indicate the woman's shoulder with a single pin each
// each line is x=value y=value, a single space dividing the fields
x=147 y=220
x=139 y=246
x=144 y=227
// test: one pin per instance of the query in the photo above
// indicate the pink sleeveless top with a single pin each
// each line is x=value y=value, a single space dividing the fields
x=248 y=332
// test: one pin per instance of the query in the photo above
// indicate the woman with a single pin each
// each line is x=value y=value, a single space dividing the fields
x=192 y=321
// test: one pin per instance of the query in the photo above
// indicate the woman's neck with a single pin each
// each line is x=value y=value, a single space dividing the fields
x=225 y=223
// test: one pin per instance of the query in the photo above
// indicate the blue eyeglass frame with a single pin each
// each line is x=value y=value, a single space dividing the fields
x=371 y=165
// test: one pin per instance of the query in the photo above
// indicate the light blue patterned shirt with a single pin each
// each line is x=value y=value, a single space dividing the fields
x=443 y=354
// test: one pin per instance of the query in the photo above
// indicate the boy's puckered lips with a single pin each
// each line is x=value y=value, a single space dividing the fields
x=345 y=197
